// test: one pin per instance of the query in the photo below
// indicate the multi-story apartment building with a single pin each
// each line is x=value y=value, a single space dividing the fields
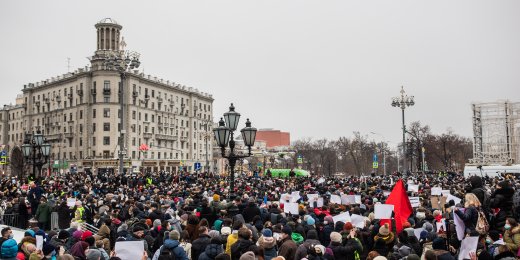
x=79 y=114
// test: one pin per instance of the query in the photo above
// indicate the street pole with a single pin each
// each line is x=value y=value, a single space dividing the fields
x=384 y=160
x=402 y=102
x=122 y=131
x=404 y=144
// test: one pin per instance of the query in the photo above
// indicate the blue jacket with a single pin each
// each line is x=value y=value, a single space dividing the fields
x=173 y=245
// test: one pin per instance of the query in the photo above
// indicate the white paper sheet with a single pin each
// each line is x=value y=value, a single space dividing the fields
x=321 y=180
x=417 y=232
x=295 y=196
x=310 y=196
x=455 y=199
x=71 y=202
x=319 y=201
x=445 y=193
x=386 y=193
x=129 y=250
x=39 y=242
x=468 y=244
x=285 y=198
x=459 y=224
x=335 y=199
x=436 y=191
x=357 y=221
x=413 y=187
x=415 y=202
x=383 y=211
x=291 y=208
x=344 y=217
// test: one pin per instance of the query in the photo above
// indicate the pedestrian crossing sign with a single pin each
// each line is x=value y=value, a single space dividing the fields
x=375 y=165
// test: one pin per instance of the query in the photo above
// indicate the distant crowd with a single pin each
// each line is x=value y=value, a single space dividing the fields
x=196 y=216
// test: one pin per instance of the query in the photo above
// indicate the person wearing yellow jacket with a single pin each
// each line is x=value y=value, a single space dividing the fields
x=78 y=214
x=233 y=238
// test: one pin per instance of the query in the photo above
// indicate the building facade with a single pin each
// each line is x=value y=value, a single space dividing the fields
x=496 y=131
x=79 y=114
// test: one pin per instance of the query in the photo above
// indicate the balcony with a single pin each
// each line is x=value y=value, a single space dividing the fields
x=146 y=97
x=37 y=103
x=69 y=135
x=147 y=135
x=166 y=137
x=47 y=100
x=135 y=94
x=53 y=137
x=106 y=91
x=159 y=99
x=69 y=95
x=58 y=98
x=184 y=138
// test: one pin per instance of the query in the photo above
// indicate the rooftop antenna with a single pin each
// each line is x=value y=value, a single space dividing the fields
x=68 y=64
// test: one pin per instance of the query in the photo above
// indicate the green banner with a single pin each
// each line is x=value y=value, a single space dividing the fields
x=284 y=173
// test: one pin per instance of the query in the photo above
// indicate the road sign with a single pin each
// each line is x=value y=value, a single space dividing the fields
x=374 y=158
x=197 y=166
x=300 y=160
x=375 y=165
x=3 y=153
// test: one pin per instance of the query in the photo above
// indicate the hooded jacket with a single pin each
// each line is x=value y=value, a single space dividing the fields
x=502 y=199
x=240 y=247
x=212 y=250
x=347 y=252
x=268 y=244
x=512 y=238
x=172 y=245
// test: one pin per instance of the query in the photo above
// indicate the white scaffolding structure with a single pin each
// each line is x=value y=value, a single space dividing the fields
x=496 y=130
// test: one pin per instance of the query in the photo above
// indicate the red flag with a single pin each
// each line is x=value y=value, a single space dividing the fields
x=402 y=206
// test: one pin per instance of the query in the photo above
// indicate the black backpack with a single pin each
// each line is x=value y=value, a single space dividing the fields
x=167 y=254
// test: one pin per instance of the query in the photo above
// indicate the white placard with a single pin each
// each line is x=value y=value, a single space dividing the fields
x=415 y=202
x=386 y=193
x=468 y=245
x=436 y=191
x=291 y=208
x=285 y=198
x=413 y=187
x=310 y=196
x=129 y=250
x=295 y=196
x=335 y=199
x=445 y=193
x=343 y=217
x=410 y=182
x=321 y=180
x=383 y=211
x=358 y=221
x=71 y=202
x=459 y=224
x=455 y=199
x=441 y=225
x=39 y=242
x=319 y=201
x=417 y=233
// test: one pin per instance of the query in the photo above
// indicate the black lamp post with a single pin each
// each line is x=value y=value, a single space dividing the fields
x=36 y=151
x=224 y=135
x=403 y=102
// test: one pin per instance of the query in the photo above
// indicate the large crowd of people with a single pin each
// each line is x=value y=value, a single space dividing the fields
x=196 y=216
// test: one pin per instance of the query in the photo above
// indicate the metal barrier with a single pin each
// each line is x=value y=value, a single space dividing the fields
x=54 y=221
x=10 y=220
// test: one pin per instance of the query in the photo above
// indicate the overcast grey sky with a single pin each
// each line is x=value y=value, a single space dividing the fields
x=313 y=68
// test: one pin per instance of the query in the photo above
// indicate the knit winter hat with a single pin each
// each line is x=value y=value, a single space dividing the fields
x=249 y=255
x=9 y=249
x=347 y=226
x=213 y=233
x=216 y=197
x=93 y=254
x=310 y=221
x=174 y=235
x=287 y=230
x=156 y=223
x=86 y=234
x=48 y=248
x=77 y=234
x=329 y=219
x=225 y=231
x=335 y=237
x=267 y=233
x=64 y=234
x=384 y=230
x=428 y=226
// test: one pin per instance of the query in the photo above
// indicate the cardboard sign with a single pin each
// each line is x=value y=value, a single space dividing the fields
x=335 y=199
x=413 y=187
x=383 y=211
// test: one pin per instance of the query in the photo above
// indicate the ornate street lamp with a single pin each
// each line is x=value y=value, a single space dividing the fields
x=36 y=151
x=224 y=136
x=122 y=61
x=403 y=102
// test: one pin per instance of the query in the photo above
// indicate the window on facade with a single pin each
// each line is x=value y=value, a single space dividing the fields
x=81 y=114
x=106 y=127
x=93 y=141
x=106 y=112
x=133 y=115
x=106 y=140
x=106 y=99
x=93 y=127
x=93 y=113
x=106 y=85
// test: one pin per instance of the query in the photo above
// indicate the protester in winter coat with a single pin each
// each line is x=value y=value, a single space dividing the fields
x=199 y=245
x=43 y=214
x=212 y=250
x=312 y=239
x=440 y=250
x=185 y=243
x=267 y=243
x=349 y=251
x=243 y=244
x=172 y=244
x=387 y=237
x=287 y=246
x=501 y=201
x=64 y=213
x=512 y=234
x=470 y=215
x=328 y=228
x=504 y=253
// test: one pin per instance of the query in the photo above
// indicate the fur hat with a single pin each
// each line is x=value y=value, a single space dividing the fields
x=225 y=230
x=384 y=230
x=249 y=255
x=335 y=237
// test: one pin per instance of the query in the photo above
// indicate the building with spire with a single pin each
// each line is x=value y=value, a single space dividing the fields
x=79 y=114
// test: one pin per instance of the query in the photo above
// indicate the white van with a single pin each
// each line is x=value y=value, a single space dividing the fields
x=489 y=170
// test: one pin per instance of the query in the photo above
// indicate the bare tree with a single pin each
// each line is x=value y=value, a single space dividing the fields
x=17 y=163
